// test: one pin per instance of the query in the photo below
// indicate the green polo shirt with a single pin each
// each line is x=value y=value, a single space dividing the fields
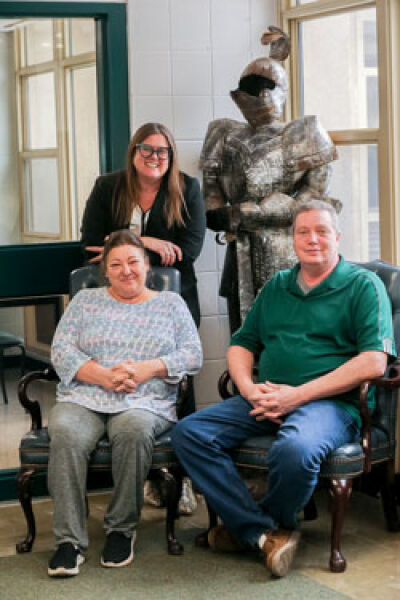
x=299 y=337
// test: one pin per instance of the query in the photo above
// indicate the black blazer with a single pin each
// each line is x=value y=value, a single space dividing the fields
x=98 y=222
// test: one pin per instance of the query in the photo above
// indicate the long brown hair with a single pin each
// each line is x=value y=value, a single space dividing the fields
x=126 y=195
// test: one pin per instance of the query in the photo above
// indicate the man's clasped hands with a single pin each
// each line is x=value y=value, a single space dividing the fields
x=272 y=401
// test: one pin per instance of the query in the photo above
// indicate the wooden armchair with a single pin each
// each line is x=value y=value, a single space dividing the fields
x=34 y=446
x=375 y=449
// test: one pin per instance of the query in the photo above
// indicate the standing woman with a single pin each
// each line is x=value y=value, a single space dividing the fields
x=165 y=208
x=158 y=202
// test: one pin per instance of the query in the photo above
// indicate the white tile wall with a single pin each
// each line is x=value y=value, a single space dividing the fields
x=190 y=25
x=214 y=334
x=208 y=292
x=227 y=68
x=192 y=115
x=185 y=58
x=205 y=383
x=149 y=25
x=230 y=26
x=151 y=74
x=151 y=108
x=225 y=108
x=262 y=14
x=191 y=73
x=189 y=152
x=207 y=260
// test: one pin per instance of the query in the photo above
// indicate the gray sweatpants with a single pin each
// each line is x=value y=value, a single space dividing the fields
x=74 y=431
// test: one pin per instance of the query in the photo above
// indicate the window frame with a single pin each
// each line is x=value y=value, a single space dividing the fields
x=61 y=66
x=387 y=136
x=112 y=66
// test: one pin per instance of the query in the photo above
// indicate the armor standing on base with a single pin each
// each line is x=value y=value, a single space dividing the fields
x=256 y=172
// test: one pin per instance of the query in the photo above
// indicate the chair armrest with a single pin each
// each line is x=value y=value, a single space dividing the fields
x=365 y=425
x=223 y=386
x=33 y=406
x=182 y=397
x=392 y=379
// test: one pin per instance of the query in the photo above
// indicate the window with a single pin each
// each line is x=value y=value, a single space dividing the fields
x=337 y=72
x=58 y=124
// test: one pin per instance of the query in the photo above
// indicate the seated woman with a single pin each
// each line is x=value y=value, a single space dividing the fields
x=120 y=352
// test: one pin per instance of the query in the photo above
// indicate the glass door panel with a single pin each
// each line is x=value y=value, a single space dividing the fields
x=82 y=137
x=37 y=42
x=42 y=214
x=80 y=36
x=40 y=107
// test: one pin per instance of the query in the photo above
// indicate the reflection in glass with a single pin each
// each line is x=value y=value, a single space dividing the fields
x=80 y=35
x=83 y=136
x=372 y=101
x=369 y=39
x=334 y=79
x=41 y=195
x=38 y=38
x=354 y=182
x=40 y=111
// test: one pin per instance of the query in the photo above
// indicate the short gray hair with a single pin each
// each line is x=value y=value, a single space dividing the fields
x=315 y=204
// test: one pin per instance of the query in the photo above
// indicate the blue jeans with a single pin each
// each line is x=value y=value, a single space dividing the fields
x=304 y=439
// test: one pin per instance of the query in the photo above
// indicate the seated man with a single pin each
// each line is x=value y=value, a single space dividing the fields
x=319 y=329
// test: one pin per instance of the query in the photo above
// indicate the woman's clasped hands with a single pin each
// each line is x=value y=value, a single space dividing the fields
x=127 y=375
x=123 y=377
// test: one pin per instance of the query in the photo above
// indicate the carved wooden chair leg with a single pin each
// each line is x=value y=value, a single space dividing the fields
x=25 y=498
x=310 y=510
x=201 y=540
x=388 y=494
x=340 y=490
x=173 y=483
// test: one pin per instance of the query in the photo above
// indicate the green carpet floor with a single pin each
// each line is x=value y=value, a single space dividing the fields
x=197 y=575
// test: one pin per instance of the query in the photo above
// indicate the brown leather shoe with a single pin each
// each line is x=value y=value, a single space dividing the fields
x=279 y=549
x=221 y=540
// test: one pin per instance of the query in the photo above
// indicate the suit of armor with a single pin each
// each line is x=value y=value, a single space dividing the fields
x=255 y=173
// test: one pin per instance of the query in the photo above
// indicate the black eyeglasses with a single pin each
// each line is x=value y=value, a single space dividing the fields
x=146 y=151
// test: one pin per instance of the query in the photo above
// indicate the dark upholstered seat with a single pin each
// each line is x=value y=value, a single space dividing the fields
x=34 y=446
x=376 y=448
x=34 y=451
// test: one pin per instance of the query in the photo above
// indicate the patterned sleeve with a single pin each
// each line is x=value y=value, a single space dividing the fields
x=187 y=357
x=66 y=356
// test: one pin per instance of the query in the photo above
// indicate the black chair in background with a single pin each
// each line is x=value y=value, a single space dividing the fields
x=375 y=450
x=34 y=446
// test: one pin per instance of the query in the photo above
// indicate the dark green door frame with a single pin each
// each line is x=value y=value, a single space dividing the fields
x=112 y=67
x=113 y=98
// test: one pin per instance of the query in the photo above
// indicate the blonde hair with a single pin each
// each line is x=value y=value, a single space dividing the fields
x=316 y=204
x=126 y=194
